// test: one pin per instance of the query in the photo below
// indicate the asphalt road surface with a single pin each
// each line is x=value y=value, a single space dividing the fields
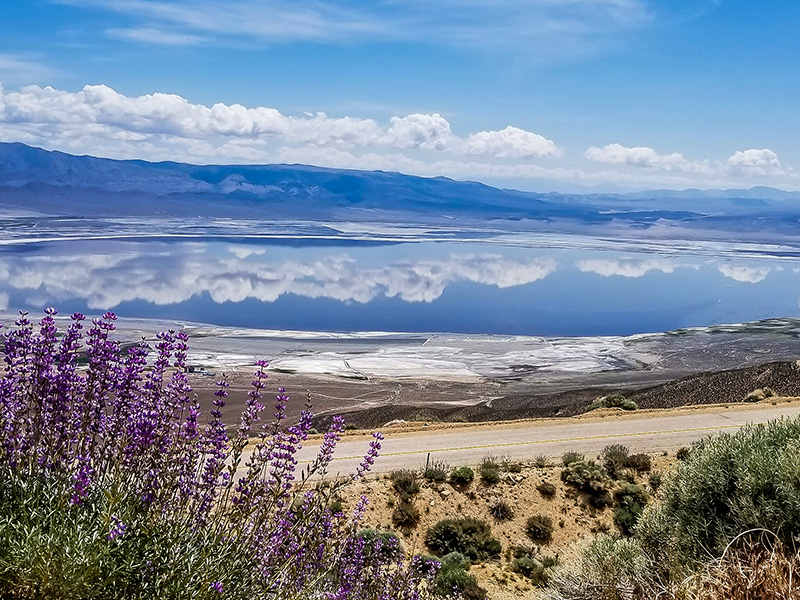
x=653 y=432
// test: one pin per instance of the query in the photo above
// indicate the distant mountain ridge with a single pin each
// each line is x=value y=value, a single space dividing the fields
x=58 y=184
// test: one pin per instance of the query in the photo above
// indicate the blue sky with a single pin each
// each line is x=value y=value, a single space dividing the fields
x=535 y=94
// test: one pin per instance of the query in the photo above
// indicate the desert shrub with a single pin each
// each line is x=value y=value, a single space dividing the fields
x=535 y=568
x=586 y=475
x=511 y=466
x=462 y=476
x=601 y=499
x=114 y=485
x=615 y=457
x=405 y=483
x=759 y=394
x=683 y=453
x=570 y=457
x=758 y=569
x=613 y=401
x=501 y=510
x=546 y=489
x=489 y=471
x=631 y=500
x=471 y=537
x=540 y=461
x=539 y=528
x=453 y=578
x=641 y=463
x=405 y=515
x=730 y=484
x=606 y=568
x=436 y=471
x=655 y=480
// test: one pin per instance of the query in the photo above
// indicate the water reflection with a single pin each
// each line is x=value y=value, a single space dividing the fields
x=178 y=273
x=427 y=286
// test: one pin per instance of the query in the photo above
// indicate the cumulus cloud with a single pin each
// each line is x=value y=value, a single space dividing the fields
x=429 y=132
x=746 y=274
x=512 y=142
x=626 y=267
x=164 y=277
x=755 y=163
x=642 y=156
x=98 y=119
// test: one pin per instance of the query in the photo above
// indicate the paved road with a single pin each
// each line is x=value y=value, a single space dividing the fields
x=641 y=433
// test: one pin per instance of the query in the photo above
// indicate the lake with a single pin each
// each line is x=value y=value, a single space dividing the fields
x=536 y=285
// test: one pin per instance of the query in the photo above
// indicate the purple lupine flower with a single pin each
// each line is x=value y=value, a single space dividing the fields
x=117 y=425
x=370 y=456
x=118 y=529
x=82 y=480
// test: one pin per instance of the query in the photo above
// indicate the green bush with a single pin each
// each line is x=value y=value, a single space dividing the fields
x=586 y=475
x=405 y=515
x=453 y=578
x=613 y=401
x=539 y=528
x=606 y=568
x=436 y=471
x=462 y=476
x=405 y=482
x=631 y=500
x=570 y=457
x=454 y=581
x=535 y=568
x=655 y=480
x=615 y=457
x=683 y=453
x=471 y=537
x=489 y=471
x=729 y=484
x=641 y=463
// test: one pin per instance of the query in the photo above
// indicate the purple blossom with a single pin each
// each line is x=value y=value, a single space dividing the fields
x=117 y=530
x=126 y=427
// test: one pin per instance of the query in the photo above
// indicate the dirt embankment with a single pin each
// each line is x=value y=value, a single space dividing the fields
x=717 y=387
x=572 y=515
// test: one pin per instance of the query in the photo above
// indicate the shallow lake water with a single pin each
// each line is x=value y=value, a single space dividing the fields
x=517 y=285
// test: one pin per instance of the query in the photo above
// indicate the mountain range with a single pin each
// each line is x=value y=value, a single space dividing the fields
x=34 y=181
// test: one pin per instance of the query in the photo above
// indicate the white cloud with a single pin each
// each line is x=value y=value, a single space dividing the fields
x=150 y=35
x=642 y=156
x=512 y=142
x=428 y=132
x=755 y=163
x=626 y=267
x=744 y=274
x=535 y=29
x=105 y=281
x=98 y=119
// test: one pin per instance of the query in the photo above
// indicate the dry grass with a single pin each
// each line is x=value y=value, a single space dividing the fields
x=760 y=568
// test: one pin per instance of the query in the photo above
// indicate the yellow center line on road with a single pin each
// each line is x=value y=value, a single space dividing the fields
x=533 y=442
